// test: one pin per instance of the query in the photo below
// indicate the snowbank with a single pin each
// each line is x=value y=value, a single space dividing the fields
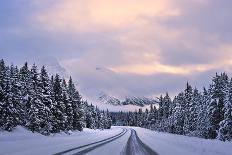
x=24 y=142
x=166 y=144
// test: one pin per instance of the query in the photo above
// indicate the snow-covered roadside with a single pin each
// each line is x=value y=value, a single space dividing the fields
x=170 y=144
x=24 y=142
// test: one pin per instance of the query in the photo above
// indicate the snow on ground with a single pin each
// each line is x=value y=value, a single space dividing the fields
x=170 y=144
x=24 y=142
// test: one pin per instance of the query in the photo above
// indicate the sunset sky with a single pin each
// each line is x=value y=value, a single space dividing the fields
x=122 y=47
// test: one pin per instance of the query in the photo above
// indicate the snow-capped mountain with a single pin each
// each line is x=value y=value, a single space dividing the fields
x=53 y=66
x=137 y=101
x=109 y=100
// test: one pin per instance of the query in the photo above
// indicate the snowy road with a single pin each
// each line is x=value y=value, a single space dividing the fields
x=115 y=141
x=136 y=146
x=84 y=149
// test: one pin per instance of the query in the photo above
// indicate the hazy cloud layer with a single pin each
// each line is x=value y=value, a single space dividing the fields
x=140 y=48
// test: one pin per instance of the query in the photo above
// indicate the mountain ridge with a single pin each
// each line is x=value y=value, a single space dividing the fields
x=138 y=101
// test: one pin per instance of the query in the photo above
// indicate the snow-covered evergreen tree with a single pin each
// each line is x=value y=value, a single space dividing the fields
x=140 y=118
x=225 y=129
x=193 y=111
x=67 y=110
x=108 y=120
x=179 y=114
x=2 y=81
x=150 y=118
x=202 y=117
x=38 y=113
x=171 y=118
x=77 y=106
x=58 y=106
x=215 y=108
x=100 y=119
x=24 y=75
x=188 y=93
x=10 y=116
x=90 y=121
x=45 y=97
x=161 y=108
x=166 y=106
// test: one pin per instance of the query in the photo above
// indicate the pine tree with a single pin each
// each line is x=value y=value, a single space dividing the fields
x=187 y=109
x=171 y=118
x=77 y=106
x=10 y=117
x=131 y=119
x=44 y=88
x=3 y=84
x=140 y=118
x=80 y=115
x=67 y=109
x=100 y=119
x=154 y=117
x=161 y=108
x=2 y=80
x=25 y=82
x=105 y=119
x=94 y=116
x=179 y=114
x=215 y=108
x=33 y=120
x=151 y=118
x=58 y=109
x=44 y=93
x=166 y=105
x=108 y=120
x=16 y=94
x=37 y=112
x=24 y=77
x=146 y=122
x=90 y=122
x=225 y=129
x=196 y=101
x=202 y=117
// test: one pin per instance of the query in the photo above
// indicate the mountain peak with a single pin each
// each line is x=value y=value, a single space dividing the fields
x=137 y=101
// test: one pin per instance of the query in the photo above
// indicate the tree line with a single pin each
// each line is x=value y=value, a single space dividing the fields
x=43 y=103
x=206 y=114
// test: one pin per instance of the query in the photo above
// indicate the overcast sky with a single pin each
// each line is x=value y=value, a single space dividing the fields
x=122 y=47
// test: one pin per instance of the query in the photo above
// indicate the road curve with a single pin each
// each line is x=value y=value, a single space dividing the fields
x=89 y=147
x=136 y=147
